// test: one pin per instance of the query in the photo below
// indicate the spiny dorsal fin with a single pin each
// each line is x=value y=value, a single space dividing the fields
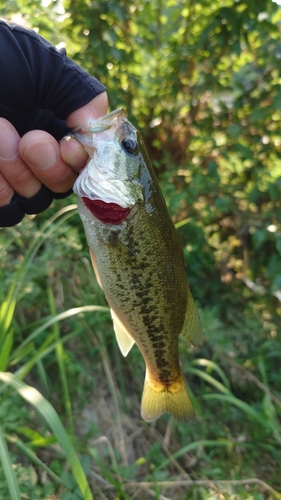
x=124 y=339
x=192 y=328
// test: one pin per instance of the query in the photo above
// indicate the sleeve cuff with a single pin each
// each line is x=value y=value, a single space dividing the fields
x=37 y=203
x=12 y=214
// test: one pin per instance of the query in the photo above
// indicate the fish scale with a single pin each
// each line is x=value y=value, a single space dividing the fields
x=139 y=262
x=142 y=290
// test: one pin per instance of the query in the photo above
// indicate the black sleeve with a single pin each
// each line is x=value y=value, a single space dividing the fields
x=39 y=87
x=38 y=83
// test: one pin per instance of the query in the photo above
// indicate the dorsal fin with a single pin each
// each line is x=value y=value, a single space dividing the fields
x=192 y=328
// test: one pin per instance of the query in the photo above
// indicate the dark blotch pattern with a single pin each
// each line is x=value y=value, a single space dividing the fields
x=144 y=279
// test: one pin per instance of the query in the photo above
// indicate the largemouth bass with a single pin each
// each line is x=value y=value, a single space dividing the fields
x=138 y=258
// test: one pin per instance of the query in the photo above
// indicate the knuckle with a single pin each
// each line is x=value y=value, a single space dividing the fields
x=61 y=178
x=6 y=191
x=23 y=177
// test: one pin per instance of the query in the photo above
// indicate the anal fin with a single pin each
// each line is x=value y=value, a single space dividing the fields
x=192 y=328
x=124 y=339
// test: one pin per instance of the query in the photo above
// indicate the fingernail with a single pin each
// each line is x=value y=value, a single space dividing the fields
x=41 y=156
x=8 y=145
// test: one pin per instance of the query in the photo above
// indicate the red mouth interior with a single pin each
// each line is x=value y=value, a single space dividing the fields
x=109 y=213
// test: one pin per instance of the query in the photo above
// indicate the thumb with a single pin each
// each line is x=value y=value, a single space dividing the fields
x=96 y=108
x=72 y=152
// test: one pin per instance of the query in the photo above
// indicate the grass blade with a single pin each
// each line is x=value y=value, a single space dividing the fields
x=51 y=417
x=12 y=481
x=5 y=350
x=210 y=365
x=59 y=317
x=209 y=379
x=61 y=364
x=7 y=309
x=261 y=418
x=193 y=446
x=31 y=456
x=47 y=229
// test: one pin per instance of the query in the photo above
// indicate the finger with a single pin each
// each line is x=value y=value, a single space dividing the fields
x=12 y=167
x=6 y=191
x=96 y=108
x=41 y=153
x=73 y=153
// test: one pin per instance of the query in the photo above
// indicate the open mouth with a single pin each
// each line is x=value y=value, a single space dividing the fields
x=109 y=213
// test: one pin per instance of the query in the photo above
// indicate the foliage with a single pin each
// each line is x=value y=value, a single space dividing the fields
x=202 y=82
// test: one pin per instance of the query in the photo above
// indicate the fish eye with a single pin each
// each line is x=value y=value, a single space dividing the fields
x=129 y=145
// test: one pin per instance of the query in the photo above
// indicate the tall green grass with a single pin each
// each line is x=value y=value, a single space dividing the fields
x=25 y=356
x=69 y=353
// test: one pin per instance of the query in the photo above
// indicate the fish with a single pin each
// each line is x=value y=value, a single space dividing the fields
x=138 y=259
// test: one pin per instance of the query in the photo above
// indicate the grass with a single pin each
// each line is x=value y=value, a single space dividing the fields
x=70 y=425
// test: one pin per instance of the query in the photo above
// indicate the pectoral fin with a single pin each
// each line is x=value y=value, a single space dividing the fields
x=192 y=329
x=124 y=339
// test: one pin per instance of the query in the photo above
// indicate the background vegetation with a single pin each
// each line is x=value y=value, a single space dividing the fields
x=201 y=80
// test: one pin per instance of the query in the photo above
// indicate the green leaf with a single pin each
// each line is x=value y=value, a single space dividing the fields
x=234 y=130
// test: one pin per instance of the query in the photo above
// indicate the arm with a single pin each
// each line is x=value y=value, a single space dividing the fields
x=43 y=93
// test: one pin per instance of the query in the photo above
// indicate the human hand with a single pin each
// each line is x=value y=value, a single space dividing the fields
x=35 y=159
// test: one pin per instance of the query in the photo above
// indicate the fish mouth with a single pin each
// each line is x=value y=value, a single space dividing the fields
x=108 y=213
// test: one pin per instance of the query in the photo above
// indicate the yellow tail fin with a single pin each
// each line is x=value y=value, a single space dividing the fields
x=158 y=399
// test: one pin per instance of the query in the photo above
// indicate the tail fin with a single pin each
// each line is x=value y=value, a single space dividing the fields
x=158 y=399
